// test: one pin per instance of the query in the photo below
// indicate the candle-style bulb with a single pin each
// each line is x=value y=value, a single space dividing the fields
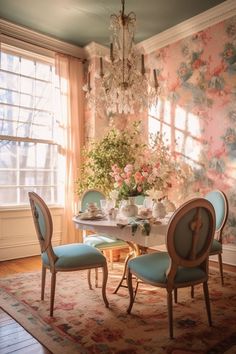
x=155 y=78
x=88 y=82
x=111 y=52
x=142 y=65
x=101 y=67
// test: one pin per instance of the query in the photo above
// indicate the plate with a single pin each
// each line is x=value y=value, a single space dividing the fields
x=143 y=217
x=97 y=217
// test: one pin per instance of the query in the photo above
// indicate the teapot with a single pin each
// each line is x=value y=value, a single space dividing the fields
x=158 y=210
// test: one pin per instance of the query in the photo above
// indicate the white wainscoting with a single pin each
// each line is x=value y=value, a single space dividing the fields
x=17 y=234
x=228 y=255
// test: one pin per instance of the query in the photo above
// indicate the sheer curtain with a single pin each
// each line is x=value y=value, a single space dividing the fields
x=70 y=71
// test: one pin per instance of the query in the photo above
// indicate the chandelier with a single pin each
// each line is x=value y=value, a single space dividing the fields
x=122 y=85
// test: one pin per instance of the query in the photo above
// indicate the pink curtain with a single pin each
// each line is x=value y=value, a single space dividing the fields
x=70 y=71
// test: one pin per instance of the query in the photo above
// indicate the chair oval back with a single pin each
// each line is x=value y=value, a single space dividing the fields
x=190 y=233
x=42 y=221
x=90 y=196
x=220 y=203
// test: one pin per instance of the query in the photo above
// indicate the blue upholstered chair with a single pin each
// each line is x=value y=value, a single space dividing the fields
x=101 y=242
x=220 y=204
x=189 y=236
x=62 y=258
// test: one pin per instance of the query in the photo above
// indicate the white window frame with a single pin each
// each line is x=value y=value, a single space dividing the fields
x=50 y=61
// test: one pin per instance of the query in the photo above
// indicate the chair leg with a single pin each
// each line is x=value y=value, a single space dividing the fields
x=192 y=291
x=96 y=277
x=111 y=258
x=170 y=313
x=207 y=301
x=176 y=295
x=131 y=291
x=89 y=279
x=104 y=284
x=221 y=268
x=53 y=286
x=136 y=288
x=43 y=280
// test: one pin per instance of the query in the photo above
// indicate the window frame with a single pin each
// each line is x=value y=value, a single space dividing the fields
x=48 y=60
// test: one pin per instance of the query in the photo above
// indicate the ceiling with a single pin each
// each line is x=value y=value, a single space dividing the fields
x=82 y=21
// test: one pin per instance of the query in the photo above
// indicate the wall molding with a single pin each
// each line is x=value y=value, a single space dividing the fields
x=184 y=29
x=12 y=32
x=17 y=232
x=94 y=49
x=193 y=25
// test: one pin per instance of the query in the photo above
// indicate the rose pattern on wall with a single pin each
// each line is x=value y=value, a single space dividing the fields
x=198 y=74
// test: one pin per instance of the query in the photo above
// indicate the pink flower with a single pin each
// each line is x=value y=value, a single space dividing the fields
x=145 y=174
x=137 y=176
x=118 y=178
x=128 y=168
x=127 y=181
x=139 y=189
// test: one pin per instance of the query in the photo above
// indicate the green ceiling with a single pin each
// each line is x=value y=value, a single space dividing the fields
x=83 y=21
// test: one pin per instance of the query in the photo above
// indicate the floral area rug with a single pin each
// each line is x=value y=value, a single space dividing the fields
x=82 y=324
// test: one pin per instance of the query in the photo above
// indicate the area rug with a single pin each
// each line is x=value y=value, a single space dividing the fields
x=82 y=324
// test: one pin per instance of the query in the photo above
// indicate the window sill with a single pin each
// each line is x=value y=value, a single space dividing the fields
x=25 y=208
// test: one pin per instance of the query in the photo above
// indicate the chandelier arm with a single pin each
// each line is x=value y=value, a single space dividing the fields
x=123 y=85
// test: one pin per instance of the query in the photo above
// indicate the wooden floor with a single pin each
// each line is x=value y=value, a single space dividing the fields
x=14 y=338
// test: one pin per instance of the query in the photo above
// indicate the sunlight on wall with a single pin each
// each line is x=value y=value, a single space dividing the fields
x=181 y=129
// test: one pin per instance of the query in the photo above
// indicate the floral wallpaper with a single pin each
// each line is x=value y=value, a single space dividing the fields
x=197 y=76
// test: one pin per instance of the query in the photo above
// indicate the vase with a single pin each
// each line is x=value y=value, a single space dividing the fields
x=129 y=209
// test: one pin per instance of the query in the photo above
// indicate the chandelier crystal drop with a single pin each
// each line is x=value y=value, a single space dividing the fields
x=122 y=85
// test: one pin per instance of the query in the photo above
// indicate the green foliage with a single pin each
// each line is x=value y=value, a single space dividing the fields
x=117 y=147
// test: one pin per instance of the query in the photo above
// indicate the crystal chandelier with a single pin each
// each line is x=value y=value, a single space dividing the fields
x=123 y=85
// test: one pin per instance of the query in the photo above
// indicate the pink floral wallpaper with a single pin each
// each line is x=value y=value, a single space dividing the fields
x=197 y=76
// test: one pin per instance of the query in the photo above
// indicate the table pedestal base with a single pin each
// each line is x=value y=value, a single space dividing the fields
x=134 y=251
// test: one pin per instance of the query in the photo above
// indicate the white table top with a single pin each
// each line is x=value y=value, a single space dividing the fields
x=108 y=227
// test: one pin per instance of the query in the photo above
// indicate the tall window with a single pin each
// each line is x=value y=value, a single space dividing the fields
x=30 y=156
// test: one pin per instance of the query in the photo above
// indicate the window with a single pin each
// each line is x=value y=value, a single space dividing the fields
x=30 y=157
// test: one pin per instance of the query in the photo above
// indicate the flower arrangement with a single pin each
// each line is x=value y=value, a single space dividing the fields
x=134 y=180
x=116 y=147
x=122 y=165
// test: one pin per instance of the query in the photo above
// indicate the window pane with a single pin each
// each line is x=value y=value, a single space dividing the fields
x=7 y=154
x=27 y=155
x=10 y=62
x=35 y=178
x=8 y=196
x=24 y=199
x=7 y=178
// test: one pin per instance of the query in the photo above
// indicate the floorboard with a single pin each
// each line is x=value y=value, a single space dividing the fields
x=15 y=339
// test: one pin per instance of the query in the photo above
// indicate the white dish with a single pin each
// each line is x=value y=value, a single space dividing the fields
x=87 y=217
x=143 y=217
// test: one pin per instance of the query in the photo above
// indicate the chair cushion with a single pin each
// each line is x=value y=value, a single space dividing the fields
x=75 y=255
x=216 y=247
x=102 y=242
x=153 y=267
